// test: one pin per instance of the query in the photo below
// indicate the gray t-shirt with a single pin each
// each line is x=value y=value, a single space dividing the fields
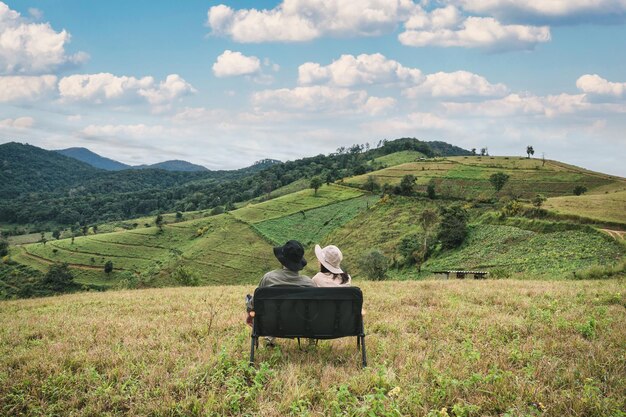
x=285 y=277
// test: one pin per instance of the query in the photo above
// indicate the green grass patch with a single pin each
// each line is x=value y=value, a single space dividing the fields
x=610 y=207
x=398 y=158
x=515 y=250
x=294 y=203
x=455 y=348
x=311 y=226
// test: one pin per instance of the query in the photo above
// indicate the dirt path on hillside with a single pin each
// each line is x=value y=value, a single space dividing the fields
x=615 y=234
x=77 y=266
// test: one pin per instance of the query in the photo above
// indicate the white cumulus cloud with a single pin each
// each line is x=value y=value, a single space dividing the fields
x=32 y=48
x=446 y=27
x=549 y=11
x=102 y=87
x=321 y=98
x=522 y=104
x=364 y=69
x=19 y=123
x=26 y=88
x=456 y=84
x=304 y=20
x=232 y=63
x=594 y=84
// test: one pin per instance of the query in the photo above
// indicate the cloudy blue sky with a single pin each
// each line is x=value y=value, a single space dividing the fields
x=224 y=84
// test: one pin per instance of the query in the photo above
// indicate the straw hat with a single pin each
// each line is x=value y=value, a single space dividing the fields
x=330 y=257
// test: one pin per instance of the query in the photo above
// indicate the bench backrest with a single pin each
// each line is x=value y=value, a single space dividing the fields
x=320 y=313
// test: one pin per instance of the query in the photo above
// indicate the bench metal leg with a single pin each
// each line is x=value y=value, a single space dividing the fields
x=363 y=354
x=254 y=341
x=358 y=342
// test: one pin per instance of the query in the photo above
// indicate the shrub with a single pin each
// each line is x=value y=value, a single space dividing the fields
x=375 y=265
x=498 y=180
x=4 y=247
x=108 y=267
x=580 y=189
x=217 y=210
x=430 y=190
x=59 y=278
x=185 y=277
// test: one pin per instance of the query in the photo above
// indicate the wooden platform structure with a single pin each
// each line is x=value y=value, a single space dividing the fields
x=463 y=274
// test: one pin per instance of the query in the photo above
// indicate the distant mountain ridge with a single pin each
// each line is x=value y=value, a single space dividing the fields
x=101 y=162
x=93 y=159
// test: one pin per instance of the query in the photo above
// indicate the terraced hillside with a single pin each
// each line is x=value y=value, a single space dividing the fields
x=234 y=247
x=506 y=250
x=467 y=177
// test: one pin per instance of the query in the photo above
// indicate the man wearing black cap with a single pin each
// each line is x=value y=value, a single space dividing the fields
x=291 y=256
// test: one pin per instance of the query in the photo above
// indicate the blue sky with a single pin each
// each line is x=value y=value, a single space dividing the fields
x=224 y=84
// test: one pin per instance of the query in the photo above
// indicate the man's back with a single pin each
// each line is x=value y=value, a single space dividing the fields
x=285 y=277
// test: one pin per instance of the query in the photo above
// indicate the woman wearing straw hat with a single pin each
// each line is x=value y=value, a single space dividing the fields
x=331 y=274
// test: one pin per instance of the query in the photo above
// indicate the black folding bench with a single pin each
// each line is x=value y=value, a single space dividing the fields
x=301 y=312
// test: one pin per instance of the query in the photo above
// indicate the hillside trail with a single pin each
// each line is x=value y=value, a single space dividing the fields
x=615 y=234
x=49 y=262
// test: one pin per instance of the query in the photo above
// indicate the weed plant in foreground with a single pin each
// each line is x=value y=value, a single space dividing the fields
x=436 y=348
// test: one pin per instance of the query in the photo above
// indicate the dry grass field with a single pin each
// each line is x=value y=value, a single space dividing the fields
x=436 y=348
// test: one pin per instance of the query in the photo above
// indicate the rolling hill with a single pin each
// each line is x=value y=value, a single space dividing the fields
x=235 y=247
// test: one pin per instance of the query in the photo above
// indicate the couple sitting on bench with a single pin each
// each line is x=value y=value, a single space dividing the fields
x=289 y=305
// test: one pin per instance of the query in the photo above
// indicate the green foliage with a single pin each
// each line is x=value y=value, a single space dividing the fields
x=375 y=265
x=316 y=183
x=430 y=190
x=371 y=185
x=59 y=278
x=407 y=185
x=184 y=276
x=580 y=189
x=4 y=247
x=498 y=180
x=538 y=201
x=411 y=250
x=108 y=267
x=453 y=226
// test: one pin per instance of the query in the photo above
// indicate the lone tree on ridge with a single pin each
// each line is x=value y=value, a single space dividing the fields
x=530 y=151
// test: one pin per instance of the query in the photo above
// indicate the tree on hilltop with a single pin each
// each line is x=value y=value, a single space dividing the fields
x=530 y=151
x=498 y=180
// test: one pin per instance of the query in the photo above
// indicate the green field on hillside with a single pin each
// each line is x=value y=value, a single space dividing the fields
x=435 y=348
x=381 y=227
x=513 y=250
x=295 y=203
x=609 y=207
x=468 y=177
x=310 y=226
x=398 y=158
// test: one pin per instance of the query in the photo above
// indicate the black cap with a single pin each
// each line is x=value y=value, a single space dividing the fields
x=291 y=255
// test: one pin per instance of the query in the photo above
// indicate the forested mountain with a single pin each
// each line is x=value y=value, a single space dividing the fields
x=25 y=168
x=97 y=161
x=174 y=165
x=93 y=159
x=59 y=190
